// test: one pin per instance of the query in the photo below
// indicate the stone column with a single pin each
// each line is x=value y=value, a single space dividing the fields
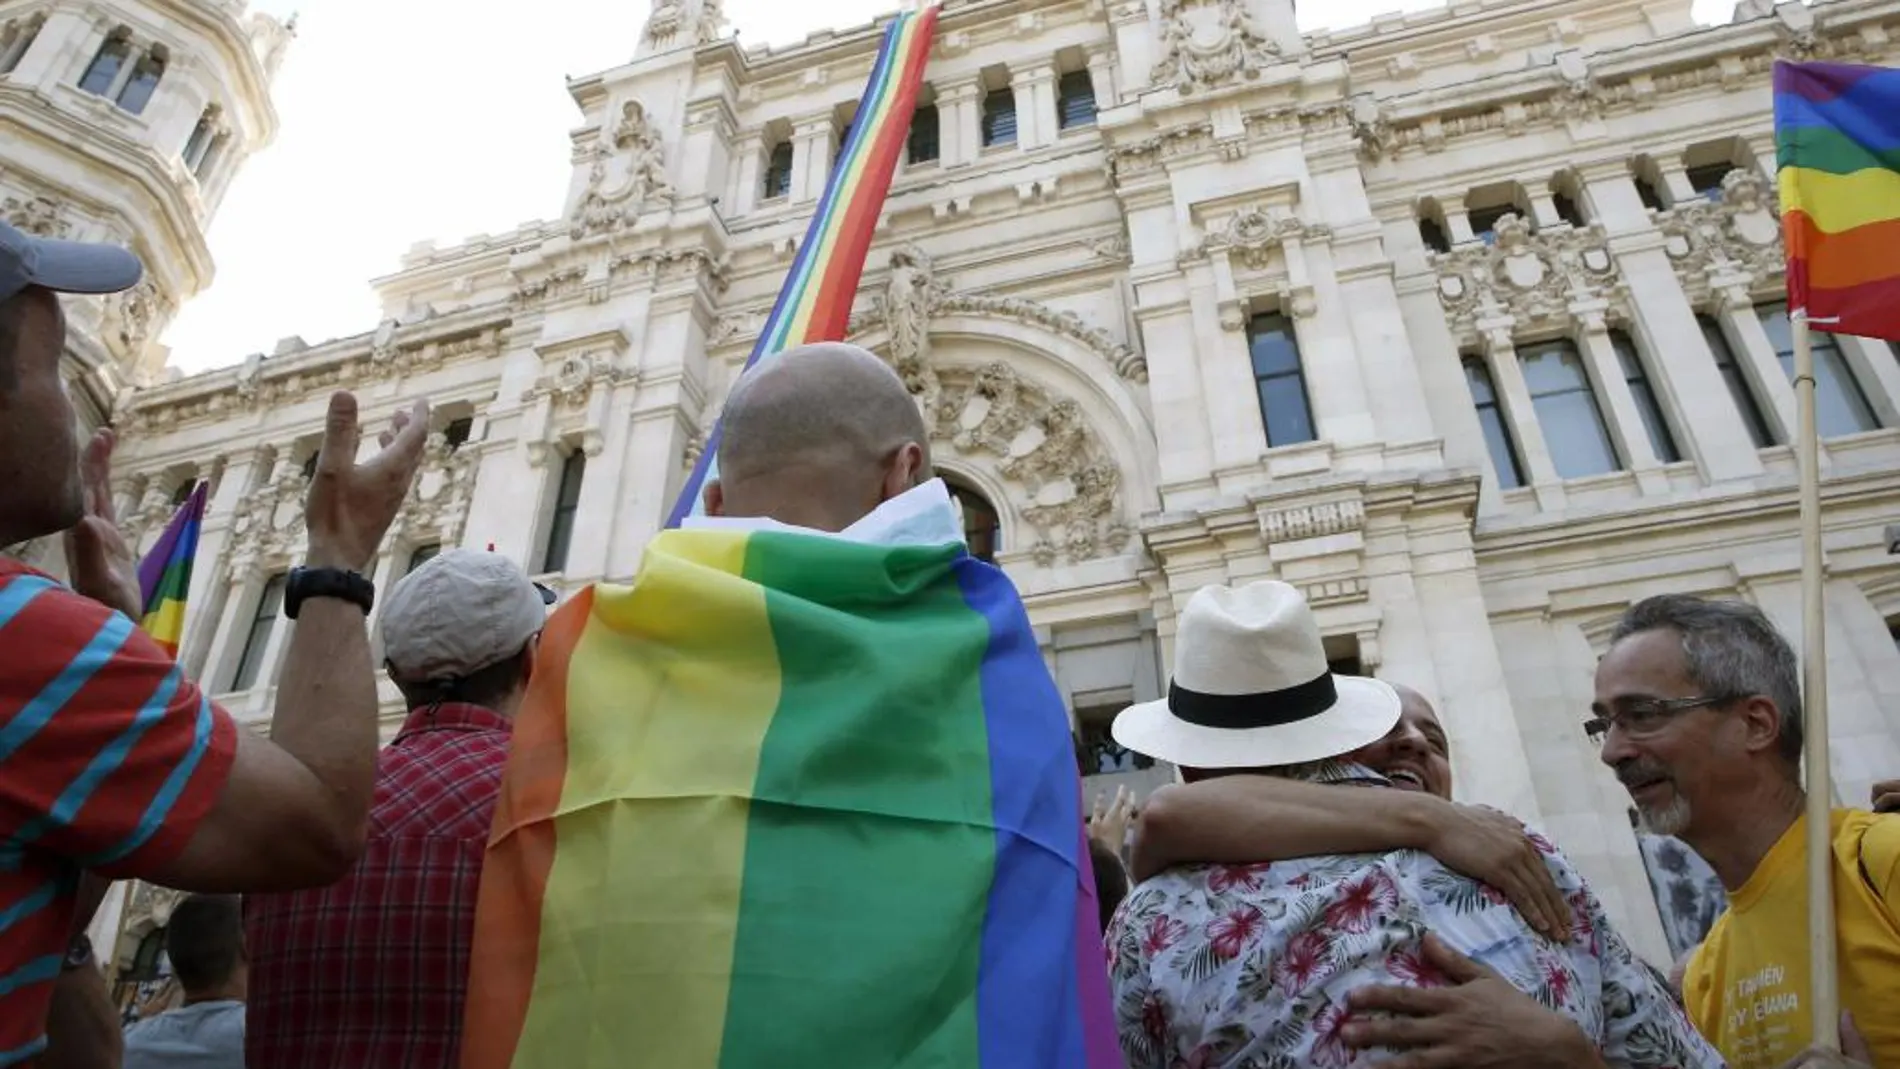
x=1457 y=220
x=743 y=191
x=1335 y=384
x=1035 y=89
x=1627 y=431
x=1544 y=211
x=1758 y=359
x=811 y=157
x=959 y=123
x=1520 y=413
x=1676 y=182
x=1680 y=366
x=245 y=580
x=56 y=50
x=1102 y=77
x=1135 y=45
x=1231 y=400
x=174 y=109
x=1387 y=356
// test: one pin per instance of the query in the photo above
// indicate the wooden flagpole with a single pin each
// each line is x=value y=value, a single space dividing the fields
x=1823 y=980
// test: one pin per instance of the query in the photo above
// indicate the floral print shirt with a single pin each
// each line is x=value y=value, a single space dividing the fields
x=1248 y=967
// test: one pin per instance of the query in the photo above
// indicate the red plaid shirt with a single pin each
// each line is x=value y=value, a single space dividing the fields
x=371 y=971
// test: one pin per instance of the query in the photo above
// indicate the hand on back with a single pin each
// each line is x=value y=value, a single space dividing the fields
x=1495 y=848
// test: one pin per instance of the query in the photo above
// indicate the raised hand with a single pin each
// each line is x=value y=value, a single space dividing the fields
x=351 y=505
x=1109 y=824
x=1490 y=846
x=99 y=563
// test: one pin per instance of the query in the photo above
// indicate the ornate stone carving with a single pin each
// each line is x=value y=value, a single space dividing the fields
x=670 y=17
x=909 y=296
x=695 y=447
x=436 y=509
x=268 y=522
x=134 y=316
x=1253 y=237
x=1366 y=117
x=1312 y=521
x=1209 y=43
x=924 y=297
x=628 y=171
x=556 y=283
x=36 y=215
x=1533 y=277
x=1739 y=234
x=572 y=380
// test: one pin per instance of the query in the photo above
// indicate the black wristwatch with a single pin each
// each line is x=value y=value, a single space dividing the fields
x=305 y=583
x=79 y=951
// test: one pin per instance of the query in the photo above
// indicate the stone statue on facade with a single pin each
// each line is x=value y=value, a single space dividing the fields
x=908 y=298
x=628 y=171
x=1209 y=43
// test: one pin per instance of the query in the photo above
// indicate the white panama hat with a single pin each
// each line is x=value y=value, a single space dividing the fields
x=1252 y=689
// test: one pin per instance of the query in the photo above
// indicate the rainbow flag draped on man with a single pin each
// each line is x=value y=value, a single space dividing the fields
x=792 y=800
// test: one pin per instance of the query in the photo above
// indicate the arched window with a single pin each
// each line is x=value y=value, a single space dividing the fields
x=778 y=171
x=104 y=69
x=981 y=528
x=144 y=82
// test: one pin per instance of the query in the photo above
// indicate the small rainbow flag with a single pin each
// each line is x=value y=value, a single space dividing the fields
x=815 y=303
x=1837 y=148
x=165 y=573
x=716 y=850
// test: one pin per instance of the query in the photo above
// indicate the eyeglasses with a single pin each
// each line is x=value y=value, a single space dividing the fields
x=1646 y=717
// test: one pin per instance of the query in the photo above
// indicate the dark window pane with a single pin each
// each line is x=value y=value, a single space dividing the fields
x=567 y=499
x=1497 y=433
x=844 y=142
x=1097 y=752
x=1737 y=381
x=1647 y=404
x=458 y=430
x=1567 y=209
x=269 y=603
x=104 y=69
x=310 y=464
x=1484 y=221
x=198 y=141
x=1840 y=406
x=778 y=171
x=925 y=132
x=1433 y=235
x=422 y=556
x=1706 y=179
x=138 y=92
x=999 y=118
x=183 y=492
x=982 y=531
x=1646 y=192
x=1567 y=410
x=1075 y=103
x=1280 y=380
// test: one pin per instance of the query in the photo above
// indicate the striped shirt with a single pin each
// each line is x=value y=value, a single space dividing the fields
x=109 y=759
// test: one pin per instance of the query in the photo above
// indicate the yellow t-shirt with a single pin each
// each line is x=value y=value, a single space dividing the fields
x=1746 y=987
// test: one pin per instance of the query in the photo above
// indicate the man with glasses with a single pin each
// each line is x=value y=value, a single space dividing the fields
x=1698 y=710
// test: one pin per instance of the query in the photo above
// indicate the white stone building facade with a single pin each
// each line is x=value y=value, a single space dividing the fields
x=1463 y=321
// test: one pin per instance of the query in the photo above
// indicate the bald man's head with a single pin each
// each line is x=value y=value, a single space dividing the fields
x=818 y=438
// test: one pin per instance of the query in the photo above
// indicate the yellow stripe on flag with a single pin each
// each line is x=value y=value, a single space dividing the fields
x=1840 y=202
x=653 y=814
x=166 y=623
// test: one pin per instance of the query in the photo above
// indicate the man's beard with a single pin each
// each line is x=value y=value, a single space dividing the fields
x=1666 y=819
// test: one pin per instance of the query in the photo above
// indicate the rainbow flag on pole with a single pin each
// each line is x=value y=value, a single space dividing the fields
x=1837 y=147
x=715 y=849
x=815 y=303
x=165 y=573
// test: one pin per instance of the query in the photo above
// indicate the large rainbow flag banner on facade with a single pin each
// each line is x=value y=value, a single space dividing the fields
x=165 y=572
x=1837 y=147
x=815 y=303
x=790 y=801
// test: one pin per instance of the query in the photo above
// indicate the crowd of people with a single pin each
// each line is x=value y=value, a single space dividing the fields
x=1307 y=895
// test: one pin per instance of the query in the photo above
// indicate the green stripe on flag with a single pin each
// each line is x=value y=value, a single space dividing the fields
x=878 y=877
x=1824 y=148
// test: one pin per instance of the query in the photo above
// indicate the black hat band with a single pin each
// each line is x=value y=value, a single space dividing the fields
x=1265 y=709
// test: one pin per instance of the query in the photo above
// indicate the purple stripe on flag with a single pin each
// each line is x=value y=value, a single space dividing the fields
x=152 y=567
x=1821 y=82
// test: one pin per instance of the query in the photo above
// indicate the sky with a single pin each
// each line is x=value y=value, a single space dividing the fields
x=421 y=119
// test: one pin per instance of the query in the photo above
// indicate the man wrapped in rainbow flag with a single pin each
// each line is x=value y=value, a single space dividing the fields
x=802 y=796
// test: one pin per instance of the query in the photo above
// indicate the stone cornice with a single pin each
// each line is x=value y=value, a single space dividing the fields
x=390 y=351
x=1771 y=501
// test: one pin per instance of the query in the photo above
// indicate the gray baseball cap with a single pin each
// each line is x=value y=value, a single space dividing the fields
x=66 y=266
x=458 y=613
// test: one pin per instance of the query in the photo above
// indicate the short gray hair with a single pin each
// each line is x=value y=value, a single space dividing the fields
x=1732 y=651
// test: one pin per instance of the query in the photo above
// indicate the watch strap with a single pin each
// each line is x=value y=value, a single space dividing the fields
x=306 y=583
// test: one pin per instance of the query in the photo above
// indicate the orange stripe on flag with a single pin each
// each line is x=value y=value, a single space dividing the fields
x=1850 y=258
x=501 y=971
